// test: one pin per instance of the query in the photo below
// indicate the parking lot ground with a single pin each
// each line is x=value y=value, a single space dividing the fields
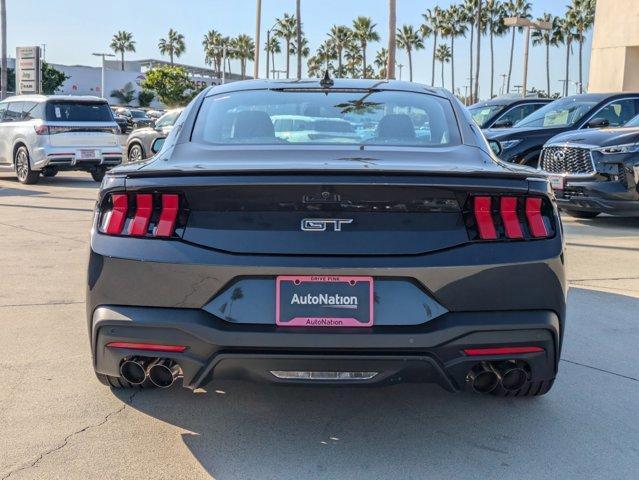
x=58 y=422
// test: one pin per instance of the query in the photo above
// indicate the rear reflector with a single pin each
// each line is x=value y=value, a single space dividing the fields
x=147 y=346
x=502 y=350
x=508 y=211
x=484 y=218
x=143 y=211
x=534 y=217
x=117 y=215
x=168 y=216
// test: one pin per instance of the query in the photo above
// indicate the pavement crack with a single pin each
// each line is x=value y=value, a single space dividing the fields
x=41 y=304
x=66 y=440
x=46 y=234
x=601 y=370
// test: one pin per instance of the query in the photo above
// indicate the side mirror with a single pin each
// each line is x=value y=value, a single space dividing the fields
x=598 y=122
x=502 y=124
x=157 y=145
x=495 y=146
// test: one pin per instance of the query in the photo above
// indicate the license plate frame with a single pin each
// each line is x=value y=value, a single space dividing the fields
x=88 y=154
x=335 y=294
x=557 y=182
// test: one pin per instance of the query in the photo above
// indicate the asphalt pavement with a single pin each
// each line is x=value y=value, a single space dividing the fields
x=58 y=422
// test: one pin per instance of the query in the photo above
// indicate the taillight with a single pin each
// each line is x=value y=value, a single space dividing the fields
x=41 y=130
x=509 y=217
x=142 y=214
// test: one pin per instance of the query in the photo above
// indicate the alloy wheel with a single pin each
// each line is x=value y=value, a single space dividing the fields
x=22 y=165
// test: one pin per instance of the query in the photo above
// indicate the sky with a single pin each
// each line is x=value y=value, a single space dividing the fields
x=73 y=29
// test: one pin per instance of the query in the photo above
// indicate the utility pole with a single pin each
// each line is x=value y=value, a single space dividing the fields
x=475 y=94
x=268 y=49
x=400 y=66
x=392 y=41
x=103 y=83
x=3 y=26
x=256 y=55
x=503 y=76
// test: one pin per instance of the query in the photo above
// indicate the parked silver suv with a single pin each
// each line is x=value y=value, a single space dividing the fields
x=46 y=134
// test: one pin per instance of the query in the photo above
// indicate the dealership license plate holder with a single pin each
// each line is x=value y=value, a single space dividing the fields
x=342 y=313
x=557 y=182
x=88 y=154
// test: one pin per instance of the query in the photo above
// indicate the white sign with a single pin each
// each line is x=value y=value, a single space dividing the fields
x=28 y=70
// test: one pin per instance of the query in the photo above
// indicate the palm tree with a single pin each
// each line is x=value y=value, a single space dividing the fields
x=271 y=48
x=389 y=69
x=568 y=35
x=547 y=38
x=306 y=51
x=515 y=8
x=433 y=20
x=314 y=66
x=341 y=37
x=468 y=11
x=495 y=14
x=122 y=42
x=409 y=40
x=382 y=62
x=453 y=27
x=443 y=55
x=212 y=43
x=325 y=53
x=3 y=66
x=244 y=50
x=173 y=45
x=353 y=58
x=583 y=17
x=480 y=30
x=298 y=32
x=364 y=32
x=286 y=29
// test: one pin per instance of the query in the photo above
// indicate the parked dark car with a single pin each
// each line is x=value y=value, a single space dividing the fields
x=504 y=112
x=140 y=142
x=408 y=255
x=594 y=171
x=523 y=143
x=122 y=121
x=136 y=118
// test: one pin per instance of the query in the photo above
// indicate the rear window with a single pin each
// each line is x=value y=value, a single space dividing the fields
x=138 y=114
x=65 y=111
x=304 y=116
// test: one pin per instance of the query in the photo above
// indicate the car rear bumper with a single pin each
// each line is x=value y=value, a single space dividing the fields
x=431 y=353
x=64 y=158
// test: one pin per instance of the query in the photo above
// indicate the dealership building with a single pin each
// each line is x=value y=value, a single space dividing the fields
x=614 y=62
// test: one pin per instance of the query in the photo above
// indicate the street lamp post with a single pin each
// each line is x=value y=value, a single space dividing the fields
x=527 y=24
x=103 y=82
x=256 y=56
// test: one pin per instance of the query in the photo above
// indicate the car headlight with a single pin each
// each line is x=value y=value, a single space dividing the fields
x=613 y=149
x=509 y=144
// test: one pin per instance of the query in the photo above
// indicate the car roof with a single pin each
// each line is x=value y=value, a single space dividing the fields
x=338 y=83
x=44 y=98
x=501 y=101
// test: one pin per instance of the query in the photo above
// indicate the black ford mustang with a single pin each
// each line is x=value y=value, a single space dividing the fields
x=371 y=238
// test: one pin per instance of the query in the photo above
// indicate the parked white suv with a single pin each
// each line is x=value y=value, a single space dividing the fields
x=46 y=134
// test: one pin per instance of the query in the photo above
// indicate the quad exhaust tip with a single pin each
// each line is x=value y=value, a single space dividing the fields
x=483 y=378
x=486 y=376
x=513 y=376
x=133 y=370
x=163 y=372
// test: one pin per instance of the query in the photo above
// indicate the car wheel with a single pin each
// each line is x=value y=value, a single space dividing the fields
x=582 y=213
x=23 y=167
x=136 y=153
x=98 y=174
x=49 y=172
x=120 y=383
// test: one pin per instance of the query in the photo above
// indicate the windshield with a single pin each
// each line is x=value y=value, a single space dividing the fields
x=481 y=115
x=560 y=113
x=305 y=116
x=65 y=111
x=168 y=119
x=138 y=114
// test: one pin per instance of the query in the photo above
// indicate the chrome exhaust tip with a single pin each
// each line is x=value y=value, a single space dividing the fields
x=163 y=372
x=483 y=378
x=513 y=376
x=133 y=370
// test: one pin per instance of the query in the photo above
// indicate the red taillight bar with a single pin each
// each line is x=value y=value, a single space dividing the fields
x=508 y=212
x=168 y=215
x=535 y=220
x=502 y=350
x=147 y=346
x=143 y=212
x=117 y=216
x=484 y=218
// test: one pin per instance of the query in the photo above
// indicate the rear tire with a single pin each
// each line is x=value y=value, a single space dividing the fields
x=136 y=153
x=582 y=213
x=98 y=174
x=120 y=383
x=23 y=167
x=530 y=389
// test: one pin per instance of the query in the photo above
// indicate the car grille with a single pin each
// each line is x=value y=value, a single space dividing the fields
x=567 y=160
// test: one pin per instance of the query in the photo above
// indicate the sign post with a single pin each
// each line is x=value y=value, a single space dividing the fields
x=28 y=70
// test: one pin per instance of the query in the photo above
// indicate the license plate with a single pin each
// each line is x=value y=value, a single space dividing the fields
x=89 y=154
x=323 y=301
x=556 y=182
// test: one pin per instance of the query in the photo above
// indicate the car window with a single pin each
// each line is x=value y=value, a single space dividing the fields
x=518 y=113
x=14 y=112
x=481 y=115
x=74 y=111
x=31 y=110
x=618 y=112
x=305 y=116
x=138 y=114
x=3 y=109
x=168 y=119
x=560 y=113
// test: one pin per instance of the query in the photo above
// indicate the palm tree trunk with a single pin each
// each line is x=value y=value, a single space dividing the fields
x=3 y=66
x=339 y=62
x=298 y=14
x=392 y=41
x=581 y=46
x=432 y=81
x=273 y=62
x=548 y=68
x=510 y=64
x=171 y=56
x=288 y=57
x=492 y=63
x=567 y=68
x=442 y=74
x=122 y=60
x=410 y=64
x=472 y=40
x=452 y=63
x=478 y=55
x=364 y=59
